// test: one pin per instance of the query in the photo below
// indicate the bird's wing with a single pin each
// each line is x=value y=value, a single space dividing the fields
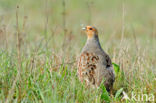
x=94 y=67
x=87 y=64
x=106 y=71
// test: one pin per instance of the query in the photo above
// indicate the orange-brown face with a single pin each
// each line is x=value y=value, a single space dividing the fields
x=91 y=31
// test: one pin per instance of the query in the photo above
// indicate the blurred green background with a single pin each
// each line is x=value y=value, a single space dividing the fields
x=51 y=39
x=106 y=15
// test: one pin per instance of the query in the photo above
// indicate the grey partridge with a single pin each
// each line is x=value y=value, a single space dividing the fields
x=94 y=65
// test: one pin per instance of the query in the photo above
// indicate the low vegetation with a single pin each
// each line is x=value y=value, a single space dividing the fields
x=40 y=41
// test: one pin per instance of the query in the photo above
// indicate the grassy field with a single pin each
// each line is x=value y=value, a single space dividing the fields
x=40 y=41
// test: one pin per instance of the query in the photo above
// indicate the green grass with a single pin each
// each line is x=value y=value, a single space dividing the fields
x=47 y=69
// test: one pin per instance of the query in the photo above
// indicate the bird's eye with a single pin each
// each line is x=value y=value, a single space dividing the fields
x=90 y=29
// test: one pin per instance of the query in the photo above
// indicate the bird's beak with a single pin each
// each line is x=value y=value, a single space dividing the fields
x=84 y=28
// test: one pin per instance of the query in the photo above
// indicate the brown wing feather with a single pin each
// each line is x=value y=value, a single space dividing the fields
x=92 y=70
x=87 y=64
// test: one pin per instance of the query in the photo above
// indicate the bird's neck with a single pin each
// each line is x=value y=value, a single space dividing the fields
x=93 y=42
x=94 y=38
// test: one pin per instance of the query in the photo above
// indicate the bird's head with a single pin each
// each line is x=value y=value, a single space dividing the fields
x=91 y=31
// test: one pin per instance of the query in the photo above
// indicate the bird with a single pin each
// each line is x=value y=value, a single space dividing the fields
x=94 y=64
